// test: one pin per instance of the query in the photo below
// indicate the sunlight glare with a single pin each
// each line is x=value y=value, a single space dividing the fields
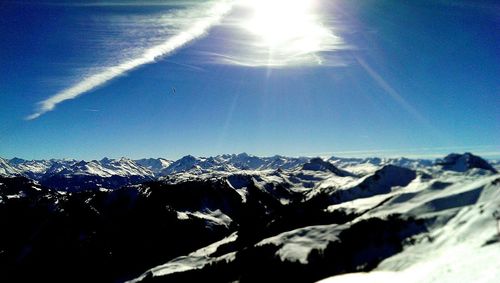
x=290 y=30
x=278 y=21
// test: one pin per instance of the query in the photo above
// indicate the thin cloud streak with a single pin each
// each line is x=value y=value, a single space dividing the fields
x=198 y=29
x=131 y=3
x=391 y=91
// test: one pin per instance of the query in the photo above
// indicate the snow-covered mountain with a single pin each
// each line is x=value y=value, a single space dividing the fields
x=36 y=169
x=150 y=167
x=255 y=222
x=416 y=225
x=106 y=167
x=231 y=163
x=7 y=169
x=155 y=165
x=318 y=164
x=114 y=173
x=104 y=173
x=464 y=162
x=367 y=165
x=69 y=174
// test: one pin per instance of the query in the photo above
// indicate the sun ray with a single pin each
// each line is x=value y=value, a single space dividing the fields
x=290 y=32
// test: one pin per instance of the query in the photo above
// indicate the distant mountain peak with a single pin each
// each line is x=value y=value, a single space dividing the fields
x=16 y=161
x=463 y=162
x=318 y=164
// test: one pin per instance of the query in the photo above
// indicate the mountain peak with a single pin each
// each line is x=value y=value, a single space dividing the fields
x=463 y=162
x=16 y=161
x=188 y=157
x=243 y=155
x=318 y=164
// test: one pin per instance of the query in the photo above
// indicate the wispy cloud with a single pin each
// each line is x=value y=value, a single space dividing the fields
x=132 y=3
x=209 y=18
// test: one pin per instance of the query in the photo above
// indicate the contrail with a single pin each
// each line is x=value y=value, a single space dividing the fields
x=198 y=29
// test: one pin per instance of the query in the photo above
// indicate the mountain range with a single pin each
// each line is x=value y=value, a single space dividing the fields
x=242 y=218
x=74 y=174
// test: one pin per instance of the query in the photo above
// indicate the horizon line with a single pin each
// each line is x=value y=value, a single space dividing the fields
x=490 y=155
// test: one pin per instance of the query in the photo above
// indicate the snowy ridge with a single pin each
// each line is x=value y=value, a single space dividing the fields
x=195 y=260
x=462 y=245
x=464 y=162
x=7 y=169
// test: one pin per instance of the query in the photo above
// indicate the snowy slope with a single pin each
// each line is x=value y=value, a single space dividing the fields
x=7 y=169
x=195 y=260
x=363 y=166
x=56 y=166
x=495 y=163
x=38 y=169
x=462 y=245
x=253 y=219
x=382 y=181
x=425 y=224
x=124 y=167
x=155 y=165
x=104 y=168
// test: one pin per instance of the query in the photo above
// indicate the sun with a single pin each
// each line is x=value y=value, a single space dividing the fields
x=280 y=21
x=290 y=30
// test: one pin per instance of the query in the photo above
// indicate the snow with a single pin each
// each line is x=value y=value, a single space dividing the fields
x=239 y=183
x=37 y=169
x=18 y=196
x=463 y=243
x=155 y=165
x=464 y=162
x=216 y=217
x=232 y=163
x=224 y=164
x=6 y=169
x=462 y=263
x=194 y=260
x=365 y=166
x=296 y=245
x=359 y=206
x=182 y=215
x=381 y=181
x=318 y=164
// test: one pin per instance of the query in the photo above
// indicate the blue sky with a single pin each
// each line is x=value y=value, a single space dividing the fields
x=349 y=78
